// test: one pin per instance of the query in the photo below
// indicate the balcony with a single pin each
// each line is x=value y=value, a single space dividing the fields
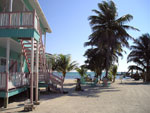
x=19 y=20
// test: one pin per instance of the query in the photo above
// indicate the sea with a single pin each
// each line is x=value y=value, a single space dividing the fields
x=75 y=75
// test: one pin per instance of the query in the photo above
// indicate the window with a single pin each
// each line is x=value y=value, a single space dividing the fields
x=3 y=62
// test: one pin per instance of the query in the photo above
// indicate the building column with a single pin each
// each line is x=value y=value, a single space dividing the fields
x=11 y=5
x=32 y=70
x=37 y=71
x=45 y=41
x=44 y=48
x=7 y=72
x=22 y=63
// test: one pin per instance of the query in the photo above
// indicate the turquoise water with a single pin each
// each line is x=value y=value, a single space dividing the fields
x=74 y=75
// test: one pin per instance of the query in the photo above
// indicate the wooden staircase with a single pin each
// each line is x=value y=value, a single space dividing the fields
x=50 y=79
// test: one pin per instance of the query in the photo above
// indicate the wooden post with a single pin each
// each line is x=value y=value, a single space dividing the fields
x=44 y=48
x=37 y=71
x=45 y=41
x=21 y=68
x=32 y=69
x=7 y=72
x=47 y=77
x=11 y=5
x=7 y=62
x=22 y=63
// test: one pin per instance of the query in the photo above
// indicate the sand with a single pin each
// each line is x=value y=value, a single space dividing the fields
x=129 y=97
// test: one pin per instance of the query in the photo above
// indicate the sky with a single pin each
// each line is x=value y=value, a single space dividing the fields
x=68 y=20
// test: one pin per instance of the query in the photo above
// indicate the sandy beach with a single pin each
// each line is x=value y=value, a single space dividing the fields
x=128 y=97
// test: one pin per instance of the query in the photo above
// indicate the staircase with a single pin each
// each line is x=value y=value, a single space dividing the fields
x=48 y=78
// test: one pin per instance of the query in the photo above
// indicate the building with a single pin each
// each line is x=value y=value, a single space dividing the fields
x=22 y=51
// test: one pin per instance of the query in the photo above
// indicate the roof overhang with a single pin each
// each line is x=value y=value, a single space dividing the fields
x=35 y=4
x=15 y=46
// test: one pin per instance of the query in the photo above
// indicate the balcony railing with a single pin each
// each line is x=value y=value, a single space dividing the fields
x=20 y=20
x=15 y=80
x=2 y=81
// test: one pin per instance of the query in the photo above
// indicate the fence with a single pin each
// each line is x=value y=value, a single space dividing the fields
x=15 y=80
x=19 y=19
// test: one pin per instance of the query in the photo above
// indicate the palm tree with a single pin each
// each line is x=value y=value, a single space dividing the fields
x=65 y=65
x=140 y=55
x=51 y=61
x=82 y=71
x=95 y=60
x=113 y=71
x=109 y=31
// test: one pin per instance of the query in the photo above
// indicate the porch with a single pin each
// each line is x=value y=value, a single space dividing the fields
x=16 y=80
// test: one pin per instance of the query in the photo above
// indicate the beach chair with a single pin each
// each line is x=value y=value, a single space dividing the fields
x=82 y=80
x=94 y=82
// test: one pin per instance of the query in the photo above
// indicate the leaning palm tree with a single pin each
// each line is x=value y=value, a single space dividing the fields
x=65 y=65
x=109 y=31
x=140 y=55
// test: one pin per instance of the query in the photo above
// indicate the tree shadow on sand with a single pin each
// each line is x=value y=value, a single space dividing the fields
x=21 y=98
x=69 y=84
x=88 y=91
x=133 y=83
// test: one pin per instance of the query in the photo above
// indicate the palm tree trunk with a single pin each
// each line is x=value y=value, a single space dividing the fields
x=147 y=72
x=114 y=77
x=64 y=75
x=107 y=58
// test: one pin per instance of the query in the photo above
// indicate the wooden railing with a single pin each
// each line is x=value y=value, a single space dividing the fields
x=20 y=20
x=48 y=77
x=55 y=79
x=15 y=80
x=2 y=81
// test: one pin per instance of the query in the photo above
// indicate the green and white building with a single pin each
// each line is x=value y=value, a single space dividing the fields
x=23 y=29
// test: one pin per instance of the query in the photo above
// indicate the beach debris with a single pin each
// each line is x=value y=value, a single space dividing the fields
x=28 y=106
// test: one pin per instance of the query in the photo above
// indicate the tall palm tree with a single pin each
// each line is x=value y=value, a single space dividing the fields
x=65 y=65
x=140 y=55
x=95 y=60
x=109 y=31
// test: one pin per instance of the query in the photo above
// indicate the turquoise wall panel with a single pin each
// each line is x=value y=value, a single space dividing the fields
x=36 y=36
x=2 y=94
x=16 y=91
x=2 y=52
x=27 y=33
x=28 y=5
x=17 y=33
x=16 y=56
x=12 y=92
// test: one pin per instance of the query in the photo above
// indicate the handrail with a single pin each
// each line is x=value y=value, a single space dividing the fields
x=16 y=79
x=56 y=79
x=24 y=19
x=2 y=81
